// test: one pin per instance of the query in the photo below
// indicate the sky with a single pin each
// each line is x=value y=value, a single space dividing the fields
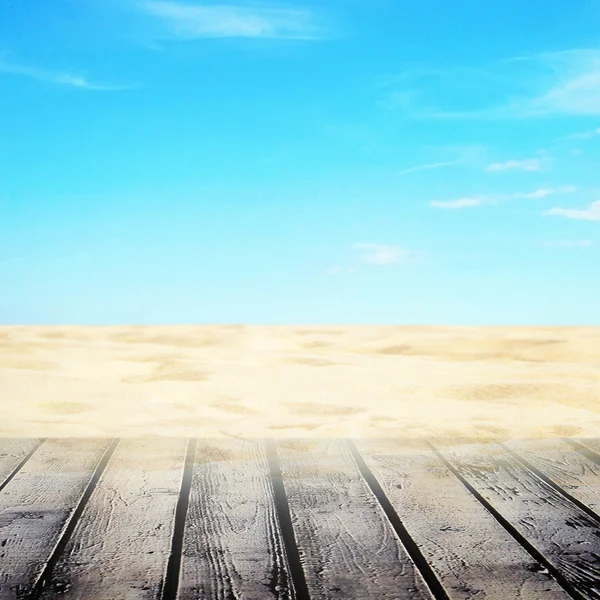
x=349 y=161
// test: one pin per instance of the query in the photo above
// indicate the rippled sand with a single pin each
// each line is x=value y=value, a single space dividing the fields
x=291 y=381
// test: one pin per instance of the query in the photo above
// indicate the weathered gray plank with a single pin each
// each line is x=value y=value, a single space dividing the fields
x=592 y=444
x=562 y=464
x=347 y=546
x=36 y=505
x=120 y=547
x=232 y=545
x=567 y=537
x=472 y=554
x=12 y=452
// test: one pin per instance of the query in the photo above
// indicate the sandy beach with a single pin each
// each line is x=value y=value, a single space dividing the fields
x=300 y=381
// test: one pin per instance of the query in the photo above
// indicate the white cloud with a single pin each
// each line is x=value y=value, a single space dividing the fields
x=451 y=156
x=192 y=21
x=496 y=198
x=531 y=164
x=570 y=244
x=547 y=84
x=591 y=213
x=429 y=166
x=378 y=254
x=544 y=192
x=576 y=89
x=456 y=204
x=55 y=77
x=582 y=135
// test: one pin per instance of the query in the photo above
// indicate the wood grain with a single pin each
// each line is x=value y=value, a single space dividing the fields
x=472 y=554
x=36 y=505
x=232 y=547
x=592 y=444
x=120 y=546
x=565 y=537
x=348 y=548
x=567 y=468
x=12 y=453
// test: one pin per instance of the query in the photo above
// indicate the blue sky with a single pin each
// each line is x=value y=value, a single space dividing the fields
x=355 y=161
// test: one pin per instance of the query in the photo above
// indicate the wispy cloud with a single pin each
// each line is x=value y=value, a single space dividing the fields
x=56 y=77
x=546 y=84
x=378 y=254
x=576 y=89
x=457 y=204
x=591 y=213
x=430 y=166
x=544 y=192
x=194 y=21
x=570 y=244
x=581 y=135
x=480 y=200
x=530 y=164
x=450 y=156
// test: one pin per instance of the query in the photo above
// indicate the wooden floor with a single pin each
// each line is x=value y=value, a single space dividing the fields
x=298 y=519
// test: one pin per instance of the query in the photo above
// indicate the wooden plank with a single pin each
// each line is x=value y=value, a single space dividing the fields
x=592 y=444
x=557 y=460
x=232 y=546
x=348 y=548
x=120 y=547
x=472 y=554
x=36 y=505
x=561 y=535
x=12 y=453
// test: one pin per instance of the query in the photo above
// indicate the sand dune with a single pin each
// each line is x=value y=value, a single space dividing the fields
x=289 y=381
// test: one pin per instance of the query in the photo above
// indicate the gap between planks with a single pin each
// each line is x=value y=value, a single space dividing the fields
x=170 y=590
x=534 y=512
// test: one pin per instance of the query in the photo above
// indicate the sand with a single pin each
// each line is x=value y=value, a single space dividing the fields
x=300 y=381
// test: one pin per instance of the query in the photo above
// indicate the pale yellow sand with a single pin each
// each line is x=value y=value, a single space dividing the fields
x=316 y=381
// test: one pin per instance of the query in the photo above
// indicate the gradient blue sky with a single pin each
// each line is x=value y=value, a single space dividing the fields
x=349 y=161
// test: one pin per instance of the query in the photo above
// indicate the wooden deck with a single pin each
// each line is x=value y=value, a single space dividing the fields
x=237 y=519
